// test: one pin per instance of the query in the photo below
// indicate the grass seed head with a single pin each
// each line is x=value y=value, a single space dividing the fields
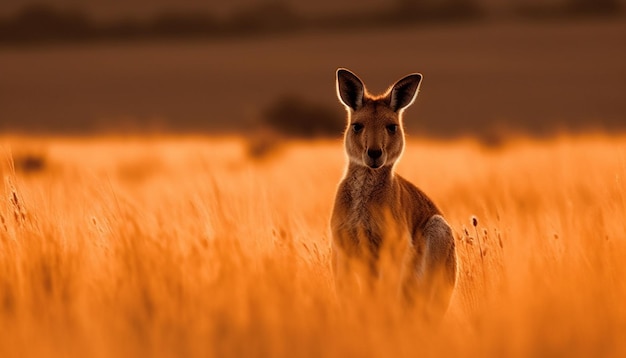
x=474 y=221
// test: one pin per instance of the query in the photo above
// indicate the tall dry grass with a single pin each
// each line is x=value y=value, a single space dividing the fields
x=187 y=247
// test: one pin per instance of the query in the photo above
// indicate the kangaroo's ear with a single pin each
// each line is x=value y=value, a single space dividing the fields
x=350 y=89
x=404 y=92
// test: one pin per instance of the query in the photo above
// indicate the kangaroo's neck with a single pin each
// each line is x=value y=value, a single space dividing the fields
x=366 y=183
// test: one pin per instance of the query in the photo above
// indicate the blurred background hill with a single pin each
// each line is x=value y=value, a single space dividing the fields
x=142 y=9
x=491 y=68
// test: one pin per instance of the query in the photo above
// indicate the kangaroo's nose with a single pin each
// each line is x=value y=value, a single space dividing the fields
x=374 y=153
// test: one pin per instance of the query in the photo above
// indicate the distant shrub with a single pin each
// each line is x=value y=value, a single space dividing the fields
x=29 y=162
x=297 y=117
x=263 y=144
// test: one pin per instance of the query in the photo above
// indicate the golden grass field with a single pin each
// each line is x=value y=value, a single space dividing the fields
x=188 y=247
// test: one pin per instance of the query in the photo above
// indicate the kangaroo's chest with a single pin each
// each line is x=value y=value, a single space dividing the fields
x=369 y=215
x=365 y=199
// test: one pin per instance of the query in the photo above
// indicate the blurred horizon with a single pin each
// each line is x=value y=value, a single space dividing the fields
x=491 y=70
x=138 y=7
x=103 y=10
x=34 y=22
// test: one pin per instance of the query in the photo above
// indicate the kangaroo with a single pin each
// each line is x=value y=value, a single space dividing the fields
x=375 y=208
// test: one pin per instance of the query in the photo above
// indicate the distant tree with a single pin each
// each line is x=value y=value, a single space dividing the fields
x=126 y=28
x=184 y=23
x=297 y=117
x=593 y=6
x=43 y=22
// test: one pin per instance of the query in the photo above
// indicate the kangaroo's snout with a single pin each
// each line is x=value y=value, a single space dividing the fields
x=374 y=153
x=374 y=158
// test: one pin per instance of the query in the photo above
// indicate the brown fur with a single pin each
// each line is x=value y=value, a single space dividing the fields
x=377 y=210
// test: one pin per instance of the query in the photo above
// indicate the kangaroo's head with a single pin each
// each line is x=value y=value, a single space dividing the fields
x=375 y=137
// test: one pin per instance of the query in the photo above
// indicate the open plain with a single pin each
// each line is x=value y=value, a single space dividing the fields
x=193 y=247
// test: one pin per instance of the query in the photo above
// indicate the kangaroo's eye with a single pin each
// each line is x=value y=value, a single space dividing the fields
x=357 y=127
x=392 y=128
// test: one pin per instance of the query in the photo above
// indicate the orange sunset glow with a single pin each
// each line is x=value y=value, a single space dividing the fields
x=168 y=172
